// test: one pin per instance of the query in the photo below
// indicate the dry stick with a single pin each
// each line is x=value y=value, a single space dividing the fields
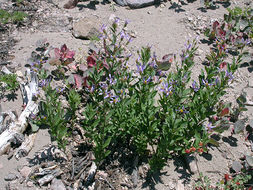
x=91 y=172
x=31 y=107
x=73 y=168
x=25 y=147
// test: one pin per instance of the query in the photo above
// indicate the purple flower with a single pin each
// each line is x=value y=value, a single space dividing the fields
x=43 y=83
x=126 y=23
x=108 y=94
x=92 y=89
x=122 y=35
x=185 y=78
x=205 y=83
x=167 y=90
x=32 y=116
x=188 y=46
x=229 y=75
x=114 y=99
x=103 y=85
x=146 y=80
x=103 y=28
x=195 y=86
x=209 y=127
x=59 y=89
x=140 y=68
x=182 y=110
x=116 y=21
x=121 y=92
x=153 y=64
x=111 y=80
x=217 y=81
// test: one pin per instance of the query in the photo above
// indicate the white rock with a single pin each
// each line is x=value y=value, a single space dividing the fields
x=57 y=184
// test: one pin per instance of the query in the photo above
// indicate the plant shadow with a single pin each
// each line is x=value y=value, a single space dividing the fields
x=177 y=7
x=91 y=4
x=232 y=141
x=249 y=65
x=12 y=96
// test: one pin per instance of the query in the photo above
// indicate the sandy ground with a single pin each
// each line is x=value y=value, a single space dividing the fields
x=167 y=31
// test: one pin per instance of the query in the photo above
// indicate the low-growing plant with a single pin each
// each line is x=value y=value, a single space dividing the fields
x=236 y=182
x=156 y=114
x=53 y=115
x=235 y=31
x=8 y=82
x=162 y=112
x=14 y=17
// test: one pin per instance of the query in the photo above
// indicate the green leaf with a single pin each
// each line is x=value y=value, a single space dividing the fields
x=107 y=142
x=214 y=142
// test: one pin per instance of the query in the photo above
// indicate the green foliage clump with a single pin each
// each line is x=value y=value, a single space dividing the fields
x=14 y=17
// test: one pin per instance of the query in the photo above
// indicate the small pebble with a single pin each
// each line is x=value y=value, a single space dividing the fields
x=10 y=177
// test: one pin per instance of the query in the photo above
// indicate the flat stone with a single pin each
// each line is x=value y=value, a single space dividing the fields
x=86 y=28
x=57 y=184
x=25 y=171
x=10 y=177
x=139 y=3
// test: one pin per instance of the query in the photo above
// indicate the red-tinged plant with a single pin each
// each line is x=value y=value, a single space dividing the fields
x=223 y=65
x=192 y=149
x=227 y=178
x=187 y=151
x=224 y=112
x=200 y=150
x=91 y=60
x=64 y=54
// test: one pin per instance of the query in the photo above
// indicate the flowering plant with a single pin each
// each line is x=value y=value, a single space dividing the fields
x=157 y=115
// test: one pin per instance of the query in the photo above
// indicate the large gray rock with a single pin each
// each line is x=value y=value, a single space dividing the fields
x=86 y=28
x=139 y=3
x=136 y=3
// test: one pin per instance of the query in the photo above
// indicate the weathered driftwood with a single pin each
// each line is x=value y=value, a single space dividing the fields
x=25 y=147
x=48 y=178
x=19 y=126
x=91 y=172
